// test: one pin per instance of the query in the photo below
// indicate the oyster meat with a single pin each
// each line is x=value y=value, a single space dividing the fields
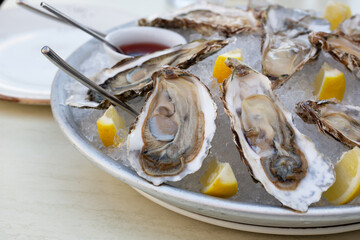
x=350 y=28
x=207 y=19
x=286 y=47
x=342 y=122
x=172 y=135
x=340 y=47
x=132 y=76
x=285 y=161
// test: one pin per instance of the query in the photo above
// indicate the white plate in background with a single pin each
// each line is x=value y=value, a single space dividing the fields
x=25 y=74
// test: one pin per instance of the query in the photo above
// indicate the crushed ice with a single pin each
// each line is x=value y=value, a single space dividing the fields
x=295 y=90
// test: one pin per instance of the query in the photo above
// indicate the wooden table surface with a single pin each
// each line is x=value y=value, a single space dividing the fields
x=48 y=190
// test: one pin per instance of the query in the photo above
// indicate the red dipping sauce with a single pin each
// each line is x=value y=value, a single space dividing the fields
x=138 y=49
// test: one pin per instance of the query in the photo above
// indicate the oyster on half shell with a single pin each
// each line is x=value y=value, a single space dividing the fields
x=172 y=135
x=342 y=122
x=350 y=28
x=284 y=160
x=340 y=47
x=285 y=44
x=132 y=76
x=207 y=19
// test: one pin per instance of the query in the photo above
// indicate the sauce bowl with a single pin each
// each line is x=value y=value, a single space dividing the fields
x=137 y=35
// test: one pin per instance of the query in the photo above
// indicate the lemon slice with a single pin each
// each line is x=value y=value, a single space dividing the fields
x=336 y=13
x=108 y=125
x=347 y=184
x=221 y=71
x=219 y=180
x=329 y=83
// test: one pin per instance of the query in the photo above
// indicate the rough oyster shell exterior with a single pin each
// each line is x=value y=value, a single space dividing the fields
x=342 y=122
x=131 y=77
x=207 y=19
x=340 y=47
x=350 y=28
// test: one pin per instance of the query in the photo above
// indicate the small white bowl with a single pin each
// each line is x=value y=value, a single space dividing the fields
x=131 y=35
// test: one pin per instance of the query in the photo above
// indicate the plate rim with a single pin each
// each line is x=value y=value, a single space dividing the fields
x=301 y=231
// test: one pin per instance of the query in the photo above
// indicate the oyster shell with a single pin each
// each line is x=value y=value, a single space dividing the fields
x=342 y=122
x=172 y=135
x=132 y=76
x=340 y=47
x=286 y=47
x=350 y=28
x=285 y=161
x=207 y=19
x=258 y=7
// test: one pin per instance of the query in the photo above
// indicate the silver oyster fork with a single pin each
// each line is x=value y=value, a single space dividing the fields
x=60 y=63
x=59 y=16
x=31 y=8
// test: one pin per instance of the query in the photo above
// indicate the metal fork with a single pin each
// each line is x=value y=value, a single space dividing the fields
x=30 y=7
x=59 y=16
x=60 y=63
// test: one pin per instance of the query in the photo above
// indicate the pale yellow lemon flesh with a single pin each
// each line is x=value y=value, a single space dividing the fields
x=219 y=180
x=329 y=83
x=108 y=125
x=347 y=184
x=221 y=71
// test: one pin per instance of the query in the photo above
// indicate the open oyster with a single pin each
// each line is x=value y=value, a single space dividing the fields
x=340 y=47
x=340 y=121
x=132 y=76
x=286 y=47
x=207 y=19
x=172 y=135
x=350 y=28
x=285 y=161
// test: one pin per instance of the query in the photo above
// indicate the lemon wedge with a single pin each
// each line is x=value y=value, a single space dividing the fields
x=108 y=126
x=347 y=184
x=336 y=13
x=221 y=71
x=219 y=180
x=329 y=83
